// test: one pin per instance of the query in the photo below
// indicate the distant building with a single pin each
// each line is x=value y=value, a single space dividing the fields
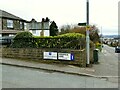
x=40 y=28
x=11 y=24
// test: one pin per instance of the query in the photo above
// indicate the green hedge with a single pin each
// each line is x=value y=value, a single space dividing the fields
x=69 y=41
x=65 y=41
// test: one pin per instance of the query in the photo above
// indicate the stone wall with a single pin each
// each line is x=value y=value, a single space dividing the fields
x=0 y=24
x=37 y=54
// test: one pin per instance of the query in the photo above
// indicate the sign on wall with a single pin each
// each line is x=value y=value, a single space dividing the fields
x=50 y=55
x=65 y=56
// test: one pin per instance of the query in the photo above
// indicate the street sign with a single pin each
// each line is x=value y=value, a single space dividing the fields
x=81 y=24
x=65 y=56
x=50 y=55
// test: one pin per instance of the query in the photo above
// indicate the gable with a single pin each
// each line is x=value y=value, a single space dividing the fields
x=4 y=14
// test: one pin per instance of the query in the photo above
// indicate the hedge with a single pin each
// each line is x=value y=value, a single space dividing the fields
x=69 y=41
x=65 y=41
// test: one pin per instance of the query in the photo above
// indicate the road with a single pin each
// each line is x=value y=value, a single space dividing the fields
x=110 y=52
x=19 y=77
x=108 y=62
x=111 y=58
x=108 y=65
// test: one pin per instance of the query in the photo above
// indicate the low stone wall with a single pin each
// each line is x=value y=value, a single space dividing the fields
x=37 y=54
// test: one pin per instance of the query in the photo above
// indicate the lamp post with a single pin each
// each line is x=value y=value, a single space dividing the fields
x=87 y=33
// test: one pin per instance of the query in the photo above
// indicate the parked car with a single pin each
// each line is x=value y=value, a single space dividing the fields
x=117 y=49
x=6 y=40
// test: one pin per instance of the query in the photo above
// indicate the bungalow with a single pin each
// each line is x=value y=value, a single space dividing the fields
x=11 y=24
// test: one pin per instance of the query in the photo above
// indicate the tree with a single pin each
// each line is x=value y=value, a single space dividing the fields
x=66 y=29
x=53 y=29
x=94 y=36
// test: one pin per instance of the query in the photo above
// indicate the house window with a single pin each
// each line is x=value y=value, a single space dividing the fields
x=33 y=26
x=21 y=26
x=10 y=23
x=34 y=32
x=46 y=25
x=25 y=26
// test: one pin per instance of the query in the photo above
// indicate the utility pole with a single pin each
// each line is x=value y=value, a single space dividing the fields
x=101 y=40
x=87 y=33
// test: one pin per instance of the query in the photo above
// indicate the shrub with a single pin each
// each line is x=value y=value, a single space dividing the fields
x=64 y=41
x=23 y=40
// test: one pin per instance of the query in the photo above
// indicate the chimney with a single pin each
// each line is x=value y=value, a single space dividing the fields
x=43 y=20
x=47 y=19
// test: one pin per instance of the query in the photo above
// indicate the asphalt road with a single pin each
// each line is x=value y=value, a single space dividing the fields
x=110 y=52
x=108 y=62
x=17 y=77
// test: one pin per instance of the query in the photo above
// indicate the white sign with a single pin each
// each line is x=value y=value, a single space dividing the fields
x=50 y=55
x=65 y=56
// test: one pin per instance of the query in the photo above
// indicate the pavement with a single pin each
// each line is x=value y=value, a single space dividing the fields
x=97 y=70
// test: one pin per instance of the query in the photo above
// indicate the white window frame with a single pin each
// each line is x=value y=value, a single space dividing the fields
x=10 y=23
x=25 y=26
x=21 y=26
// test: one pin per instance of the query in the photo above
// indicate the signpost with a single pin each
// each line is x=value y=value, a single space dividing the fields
x=87 y=32
x=81 y=24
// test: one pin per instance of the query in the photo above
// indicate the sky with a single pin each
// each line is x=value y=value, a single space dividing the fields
x=103 y=13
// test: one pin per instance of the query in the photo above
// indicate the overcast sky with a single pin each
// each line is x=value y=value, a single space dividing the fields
x=103 y=13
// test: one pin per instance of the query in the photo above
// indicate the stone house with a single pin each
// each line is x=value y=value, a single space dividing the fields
x=11 y=24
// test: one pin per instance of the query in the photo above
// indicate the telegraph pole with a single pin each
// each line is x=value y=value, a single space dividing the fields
x=87 y=33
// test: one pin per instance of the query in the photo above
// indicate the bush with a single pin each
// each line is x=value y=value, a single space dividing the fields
x=23 y=40
x=98 y=46
x=64 y=41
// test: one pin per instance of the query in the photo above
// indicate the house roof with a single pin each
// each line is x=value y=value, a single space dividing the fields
x=4 y=14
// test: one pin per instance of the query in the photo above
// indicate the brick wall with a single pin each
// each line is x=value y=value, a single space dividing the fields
x=37 y=54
